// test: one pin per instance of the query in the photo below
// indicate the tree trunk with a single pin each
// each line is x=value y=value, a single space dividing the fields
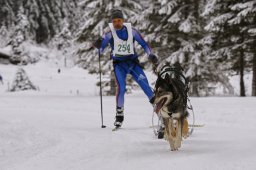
x=195 y=91
x=254 y=75
x=241 y=61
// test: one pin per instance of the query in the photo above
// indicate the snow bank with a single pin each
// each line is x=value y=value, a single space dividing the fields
x=70 y=81
x=58 y=127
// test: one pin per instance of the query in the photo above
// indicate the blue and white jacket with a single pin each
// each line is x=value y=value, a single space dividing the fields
x=123 y=34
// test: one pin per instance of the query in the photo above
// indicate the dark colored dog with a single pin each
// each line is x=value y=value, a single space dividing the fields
x=171 y=103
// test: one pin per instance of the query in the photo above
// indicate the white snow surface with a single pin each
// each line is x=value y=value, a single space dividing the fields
x=59 y=128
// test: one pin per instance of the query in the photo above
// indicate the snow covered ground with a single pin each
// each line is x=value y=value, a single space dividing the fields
x=58 y=128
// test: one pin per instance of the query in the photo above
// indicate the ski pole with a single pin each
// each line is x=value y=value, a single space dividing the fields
x=101 y=105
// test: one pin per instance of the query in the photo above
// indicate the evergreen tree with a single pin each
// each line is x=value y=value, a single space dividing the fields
x=63 y=43
x=228 y=28
x=175 y=31
x=212 y=39
x=4 y=35
x=21 y=82
x=20 y=34
x=44 y=17
x=245 y=19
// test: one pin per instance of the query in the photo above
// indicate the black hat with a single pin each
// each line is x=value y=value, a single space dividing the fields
x=116 y=13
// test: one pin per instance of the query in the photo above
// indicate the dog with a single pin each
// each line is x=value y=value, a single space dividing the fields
x=170 y=101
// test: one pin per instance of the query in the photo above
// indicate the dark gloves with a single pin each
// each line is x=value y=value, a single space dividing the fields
x=97 y=43
x=153 y=59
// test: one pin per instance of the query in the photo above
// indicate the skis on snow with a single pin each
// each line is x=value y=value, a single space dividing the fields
x=116 y=128
x=196 y=125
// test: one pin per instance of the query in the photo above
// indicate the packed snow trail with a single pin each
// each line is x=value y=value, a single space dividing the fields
x=63 y=132
x=59 y=128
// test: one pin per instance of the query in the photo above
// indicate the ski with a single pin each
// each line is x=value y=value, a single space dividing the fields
x=196 y=125
x=116 y=128
x=190 y=125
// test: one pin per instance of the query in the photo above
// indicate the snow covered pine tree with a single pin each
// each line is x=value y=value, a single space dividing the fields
x=30 y=23
x=178 y=37
x=231 y=32
x=21 y=82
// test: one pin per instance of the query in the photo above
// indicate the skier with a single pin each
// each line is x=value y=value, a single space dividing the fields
x=121 y=37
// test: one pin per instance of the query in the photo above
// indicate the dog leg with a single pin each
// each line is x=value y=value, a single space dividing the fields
x=179 y=135
x=172 y=134
x=166 y=129
x=176 y=134
x=185 y=130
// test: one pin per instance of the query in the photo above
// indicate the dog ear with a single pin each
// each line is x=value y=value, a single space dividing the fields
x=178 y=66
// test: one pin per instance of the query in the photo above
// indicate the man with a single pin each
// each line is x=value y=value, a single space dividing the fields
x=121 y=38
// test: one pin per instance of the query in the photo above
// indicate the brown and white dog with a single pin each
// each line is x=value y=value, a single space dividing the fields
x=171 y=103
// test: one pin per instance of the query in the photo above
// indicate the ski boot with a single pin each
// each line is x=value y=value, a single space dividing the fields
x=119 y=117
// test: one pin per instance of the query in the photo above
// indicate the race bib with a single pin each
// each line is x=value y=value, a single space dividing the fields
x=121 y=47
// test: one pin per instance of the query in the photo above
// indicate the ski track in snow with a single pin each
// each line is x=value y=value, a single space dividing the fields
x=58 y=130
